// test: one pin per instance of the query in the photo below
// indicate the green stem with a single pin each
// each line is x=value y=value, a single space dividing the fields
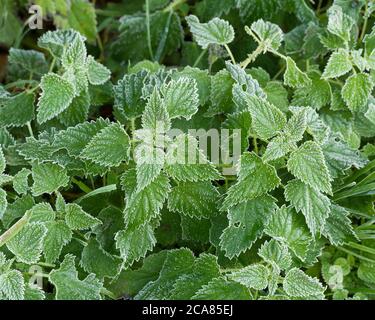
x=108 y=293
x=81 y=185
x=148 y=30
x=364 y=27
x=173 y=5
x=52 y=64
x=199 y=58
x=355 y=254
x=230 y=53
x=30 y=129
x=252 y=57
x=17 y=227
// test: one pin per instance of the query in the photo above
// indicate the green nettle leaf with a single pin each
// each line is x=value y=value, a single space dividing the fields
x=339 y=23
x=247 y=221
x=135 y=243
x=307 y=163
x=75 y=54
x=58 y=235
x=57 y=95
x=314 y=205
x=70 y=287
x=299 y=285
x=268 y=33
x=222 y=289
x=338 y=64
x=78 y=110
x=156 y=117
x=27 y=244
x=48 y=178
x=204 y=270
x=216 y=31
x=97 y=73
x=42 y=212
x=357 y=90
x=288 y=227
x=293 y=76
x=99 y=262
x=194 y=199
x=276 y=253
x=77 y=219
x=186 y=162
x=338 y=228
x=12 y=285
x=75 y=139
x=17 y=110
x=128 y=95
x=109 y=147
x=255 y=178
x=267 y=120
x=144 y=205
x=181 y=98
x=177 y=263
x=21 y=181
x=317 y=95
x=370 y=113
x=254 y=276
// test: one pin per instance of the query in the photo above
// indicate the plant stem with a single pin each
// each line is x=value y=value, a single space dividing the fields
x=30 y=129
x=230 y=53
x=252 y=57
x=52 y=64
x=148 y=30
x=108 y=293
x=199 y=58
x=81 y=185
x=173 y=5
x=364 y=27
x=17 y=227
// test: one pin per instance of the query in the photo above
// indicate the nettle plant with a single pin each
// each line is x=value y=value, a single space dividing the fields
x=94 y=207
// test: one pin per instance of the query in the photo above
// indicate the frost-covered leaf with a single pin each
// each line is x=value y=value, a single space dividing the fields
x=370 y=113
x=48 y=178
x=58 y=235
x=204 y=270
x=267 y=120
x=109 y=147
x=307 y=163
x=254 y=276
x=75 y=139
x=156 y=117
x=96 y=72
x=339 y=23
x=314 y=205
x=277 y=253
x=255 y=178
x=27 y=244
x=12 y=285
x=21 y=181
x=77 y=219
x=338 y=228
x=57 y=95
x=194 y=199
x=70 y=287
x=338 y=64
x=222 y=289
x=96 y=260
x=293 y=76
x=17 y=110
x=144 y=205
x=268 y=33
x=186 y=162
x=181 y=98
x=128 y=95
x=135 y=243
x=77 y=111
x=216 y=31
x=289 y=227
x=247 y=221
x=357 y=90
x=297 y=284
